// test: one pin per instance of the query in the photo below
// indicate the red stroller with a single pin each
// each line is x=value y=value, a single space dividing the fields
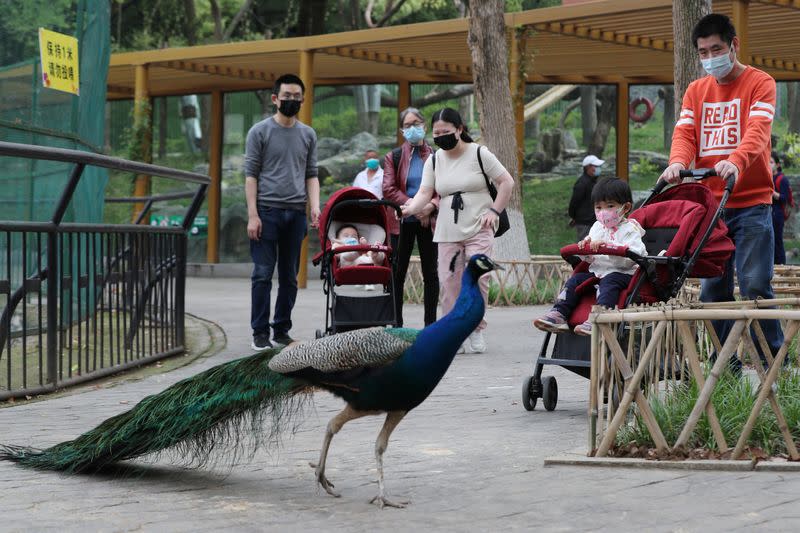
x=684 y=236
x=360 y=208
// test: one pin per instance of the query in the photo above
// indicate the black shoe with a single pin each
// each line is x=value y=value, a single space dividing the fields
x=261 y=342
x=282 y=338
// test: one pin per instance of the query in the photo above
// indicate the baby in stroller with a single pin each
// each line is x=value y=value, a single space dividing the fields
x=348 y=236
x=612 y=201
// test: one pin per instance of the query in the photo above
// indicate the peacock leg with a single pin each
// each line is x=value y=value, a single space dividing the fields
x=392 y=419
x=336 y=423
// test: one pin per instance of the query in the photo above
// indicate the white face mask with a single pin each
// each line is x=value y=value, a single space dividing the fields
x=719 y=66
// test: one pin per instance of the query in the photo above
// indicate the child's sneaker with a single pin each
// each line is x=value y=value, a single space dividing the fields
x=584 y=329
x=552 y=321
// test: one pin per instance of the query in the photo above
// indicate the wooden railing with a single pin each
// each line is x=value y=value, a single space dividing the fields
x=641 y=353
x=532 y=282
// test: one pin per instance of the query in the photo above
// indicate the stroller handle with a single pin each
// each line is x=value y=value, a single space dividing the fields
x=696 y=173
x=702 y=173
x=364 y=202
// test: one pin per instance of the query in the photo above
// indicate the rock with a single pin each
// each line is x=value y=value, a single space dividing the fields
x=659 y=160
x=552 y=144
x=568 y=141
x=361 y=142
x=342 y=167
x=328 y=147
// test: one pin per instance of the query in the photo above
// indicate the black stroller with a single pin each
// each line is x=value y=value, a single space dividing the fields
x=684 y=237
x=360 y=208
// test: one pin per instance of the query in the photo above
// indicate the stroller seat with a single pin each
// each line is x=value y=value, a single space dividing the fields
x=361 y=274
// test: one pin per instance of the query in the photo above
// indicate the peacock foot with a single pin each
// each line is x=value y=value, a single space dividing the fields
x=323 y=481
x=382 y=502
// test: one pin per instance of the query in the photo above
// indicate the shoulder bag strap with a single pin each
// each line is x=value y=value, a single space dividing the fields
x=489 y=185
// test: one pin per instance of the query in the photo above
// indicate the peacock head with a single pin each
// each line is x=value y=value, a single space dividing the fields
x=480 y=264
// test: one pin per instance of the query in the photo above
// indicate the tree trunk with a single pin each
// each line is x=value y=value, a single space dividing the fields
x=487 y=43
x=190 y=22
x=669 y=116
x=311 y=17
x=588 y=112
x=793 y=94
x=355 y=15
x=361 y=100
x=217 y=16
x=265 y=98
x=162 y=129
x=606 y=95
x=687 y=68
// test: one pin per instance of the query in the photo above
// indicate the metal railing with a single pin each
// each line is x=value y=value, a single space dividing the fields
x=81 y=301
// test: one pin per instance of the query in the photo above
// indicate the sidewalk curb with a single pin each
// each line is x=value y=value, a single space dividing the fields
x=689 y=464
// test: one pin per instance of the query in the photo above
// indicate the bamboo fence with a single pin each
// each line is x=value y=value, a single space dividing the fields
x=646 y=350
x=531 y=282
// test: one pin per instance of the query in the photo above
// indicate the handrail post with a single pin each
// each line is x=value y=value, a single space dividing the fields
x=66 y=194
x=54 y=273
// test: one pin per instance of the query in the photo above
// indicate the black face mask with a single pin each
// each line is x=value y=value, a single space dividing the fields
x=446 y=142
x=289 y=108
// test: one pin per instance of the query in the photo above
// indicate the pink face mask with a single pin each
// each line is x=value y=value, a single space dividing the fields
x=610 y=218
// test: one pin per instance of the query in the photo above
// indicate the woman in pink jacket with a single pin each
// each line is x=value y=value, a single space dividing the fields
x=402 y=176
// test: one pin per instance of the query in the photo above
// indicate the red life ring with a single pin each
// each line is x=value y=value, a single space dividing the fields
x=648 y=109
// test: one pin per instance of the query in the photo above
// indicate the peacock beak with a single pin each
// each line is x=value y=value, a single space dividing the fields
x=496 y=266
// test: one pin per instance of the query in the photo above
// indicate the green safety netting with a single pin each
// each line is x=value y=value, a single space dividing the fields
x=32 y=114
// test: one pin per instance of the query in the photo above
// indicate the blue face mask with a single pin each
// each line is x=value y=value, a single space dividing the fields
x=372 y=163
x=719 y=66
x=350 y=241
x=414 y=134
x=597 y=171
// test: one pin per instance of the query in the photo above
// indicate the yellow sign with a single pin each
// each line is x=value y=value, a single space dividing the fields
x=59 y=61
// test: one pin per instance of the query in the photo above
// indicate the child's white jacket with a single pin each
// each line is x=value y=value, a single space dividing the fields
x=629 y=233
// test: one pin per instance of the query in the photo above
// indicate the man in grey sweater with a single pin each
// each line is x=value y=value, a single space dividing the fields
x=280 y=174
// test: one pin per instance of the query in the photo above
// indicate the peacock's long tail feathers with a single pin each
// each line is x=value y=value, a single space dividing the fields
x=229 y=406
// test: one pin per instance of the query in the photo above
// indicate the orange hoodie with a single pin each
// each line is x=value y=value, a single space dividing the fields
x=732 y=122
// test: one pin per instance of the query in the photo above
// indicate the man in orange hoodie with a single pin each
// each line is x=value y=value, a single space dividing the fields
x=725 y=124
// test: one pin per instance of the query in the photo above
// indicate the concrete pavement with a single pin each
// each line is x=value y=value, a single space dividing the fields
x=470 y=458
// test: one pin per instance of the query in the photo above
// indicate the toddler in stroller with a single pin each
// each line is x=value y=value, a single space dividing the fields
x=351 y=220
x=347 y=235
x=612 y=201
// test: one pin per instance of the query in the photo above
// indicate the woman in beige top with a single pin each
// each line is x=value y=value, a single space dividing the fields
x=467 y=216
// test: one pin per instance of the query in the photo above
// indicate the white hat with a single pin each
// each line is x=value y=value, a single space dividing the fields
x=592 y=160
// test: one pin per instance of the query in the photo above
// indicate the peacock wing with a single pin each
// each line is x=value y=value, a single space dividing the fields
x=369 y=347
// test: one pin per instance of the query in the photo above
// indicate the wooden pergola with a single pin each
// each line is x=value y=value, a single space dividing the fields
x=620 y=42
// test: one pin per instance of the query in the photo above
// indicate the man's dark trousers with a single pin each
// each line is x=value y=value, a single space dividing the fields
x=282 y=233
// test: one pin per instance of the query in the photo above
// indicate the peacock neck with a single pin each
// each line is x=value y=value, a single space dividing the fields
x=443 y=338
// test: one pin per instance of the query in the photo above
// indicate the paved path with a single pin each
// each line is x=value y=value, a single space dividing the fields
x=470 y=458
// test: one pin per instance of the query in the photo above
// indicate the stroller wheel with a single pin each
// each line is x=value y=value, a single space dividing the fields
x=549 y=392
x=319 y=334
x=528 y=397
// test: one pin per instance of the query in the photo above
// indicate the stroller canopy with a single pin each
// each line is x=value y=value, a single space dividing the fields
x=365 y=218
x=688 y=210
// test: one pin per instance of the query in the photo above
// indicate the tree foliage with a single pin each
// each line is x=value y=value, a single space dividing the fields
x=148 y=24
x=19 y=36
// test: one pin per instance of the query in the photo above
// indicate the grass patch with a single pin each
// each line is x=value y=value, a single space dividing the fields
x=733 y=400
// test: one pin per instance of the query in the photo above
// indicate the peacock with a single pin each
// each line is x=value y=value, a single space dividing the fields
x=375 y=371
